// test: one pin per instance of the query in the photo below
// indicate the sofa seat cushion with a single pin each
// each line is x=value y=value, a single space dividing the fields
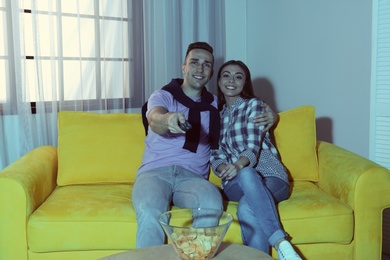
x=308 y=216
x=84 y=217
x=313 y=216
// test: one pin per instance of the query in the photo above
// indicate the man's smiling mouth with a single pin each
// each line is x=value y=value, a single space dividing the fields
x=198 y=77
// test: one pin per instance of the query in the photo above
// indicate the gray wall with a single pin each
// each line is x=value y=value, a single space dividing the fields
x=306 y=52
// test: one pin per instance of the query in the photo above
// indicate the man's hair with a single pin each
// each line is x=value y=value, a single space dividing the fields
x=199 y=45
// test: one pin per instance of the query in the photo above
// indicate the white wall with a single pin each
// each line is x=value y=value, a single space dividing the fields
x=307 y=52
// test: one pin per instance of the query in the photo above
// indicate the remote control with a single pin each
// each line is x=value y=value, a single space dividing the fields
x=185 y=126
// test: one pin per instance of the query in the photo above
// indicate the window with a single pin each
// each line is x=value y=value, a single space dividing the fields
x=73 y=51
x=380 y=86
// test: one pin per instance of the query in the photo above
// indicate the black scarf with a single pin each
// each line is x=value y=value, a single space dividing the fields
x=193 y=135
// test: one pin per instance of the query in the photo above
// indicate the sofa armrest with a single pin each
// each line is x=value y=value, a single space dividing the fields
x=364 y=186
x=24 y=185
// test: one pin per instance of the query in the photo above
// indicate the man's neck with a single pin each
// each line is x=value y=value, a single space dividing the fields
x=191 y=92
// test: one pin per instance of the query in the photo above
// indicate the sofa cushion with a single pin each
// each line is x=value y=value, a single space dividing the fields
x=295 y=139
x=308 y=216
x=98 y=148
x=84 y=217
x=92 y=217
x=312 y=216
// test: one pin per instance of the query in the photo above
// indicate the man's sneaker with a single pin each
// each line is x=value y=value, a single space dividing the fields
x=287 y=252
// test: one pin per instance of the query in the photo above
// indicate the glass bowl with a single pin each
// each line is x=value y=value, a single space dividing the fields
x=195 y=233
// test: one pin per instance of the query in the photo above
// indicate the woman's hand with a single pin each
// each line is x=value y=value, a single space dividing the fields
x=266 y=119
x=229 y=171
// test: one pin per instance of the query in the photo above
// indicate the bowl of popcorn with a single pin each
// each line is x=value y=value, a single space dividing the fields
x=195 y=234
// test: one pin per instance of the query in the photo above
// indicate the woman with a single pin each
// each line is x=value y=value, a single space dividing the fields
x=248 y=163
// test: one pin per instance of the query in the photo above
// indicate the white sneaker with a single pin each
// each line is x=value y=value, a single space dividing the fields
x=287 y=252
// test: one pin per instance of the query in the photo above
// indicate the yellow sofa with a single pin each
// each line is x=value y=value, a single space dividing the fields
x=74 y=201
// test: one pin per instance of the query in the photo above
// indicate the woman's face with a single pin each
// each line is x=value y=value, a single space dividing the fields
x=232 y=81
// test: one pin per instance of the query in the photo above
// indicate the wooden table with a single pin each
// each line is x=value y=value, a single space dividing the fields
x=226 y=251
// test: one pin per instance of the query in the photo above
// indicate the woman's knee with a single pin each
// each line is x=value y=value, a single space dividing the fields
x=249 y=176
x=279 y=189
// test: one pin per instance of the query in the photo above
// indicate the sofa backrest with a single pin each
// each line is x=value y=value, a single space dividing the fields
x=107 y=148
x=98 y=148
x=296 y=141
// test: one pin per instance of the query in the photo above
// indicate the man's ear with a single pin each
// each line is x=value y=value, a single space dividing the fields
x=183 y=68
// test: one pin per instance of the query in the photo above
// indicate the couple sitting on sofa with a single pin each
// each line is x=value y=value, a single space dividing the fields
x=176 y=161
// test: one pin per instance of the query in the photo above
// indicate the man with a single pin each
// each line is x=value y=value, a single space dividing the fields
x=175 y=164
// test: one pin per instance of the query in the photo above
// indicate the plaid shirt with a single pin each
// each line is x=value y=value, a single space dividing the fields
x=240 y=137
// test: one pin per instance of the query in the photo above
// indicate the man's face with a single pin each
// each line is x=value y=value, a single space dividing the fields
x=198 y=68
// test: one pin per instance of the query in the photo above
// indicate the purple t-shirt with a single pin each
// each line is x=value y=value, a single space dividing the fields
x=167 y=150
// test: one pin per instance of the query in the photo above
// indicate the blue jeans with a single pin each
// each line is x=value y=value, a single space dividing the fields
x=154 y=191
x=256 y=212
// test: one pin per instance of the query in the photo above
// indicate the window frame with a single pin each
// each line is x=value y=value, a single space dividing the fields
x=379 y=151
x=135 y=66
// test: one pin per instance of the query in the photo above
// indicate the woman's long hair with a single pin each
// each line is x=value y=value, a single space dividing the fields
x=247 y=91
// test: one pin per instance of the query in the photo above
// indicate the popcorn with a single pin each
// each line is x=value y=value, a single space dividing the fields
x=195 y=244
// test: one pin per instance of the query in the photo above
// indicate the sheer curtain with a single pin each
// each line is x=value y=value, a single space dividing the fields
x=90 y=55
x=169 y=26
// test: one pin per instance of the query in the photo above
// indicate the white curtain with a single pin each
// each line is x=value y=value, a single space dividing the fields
x=103 y=56
x=169 y=26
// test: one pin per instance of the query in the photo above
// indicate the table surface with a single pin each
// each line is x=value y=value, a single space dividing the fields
x=226 y=251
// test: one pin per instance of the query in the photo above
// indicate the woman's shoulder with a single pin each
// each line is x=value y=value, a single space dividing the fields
x=254 y=101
